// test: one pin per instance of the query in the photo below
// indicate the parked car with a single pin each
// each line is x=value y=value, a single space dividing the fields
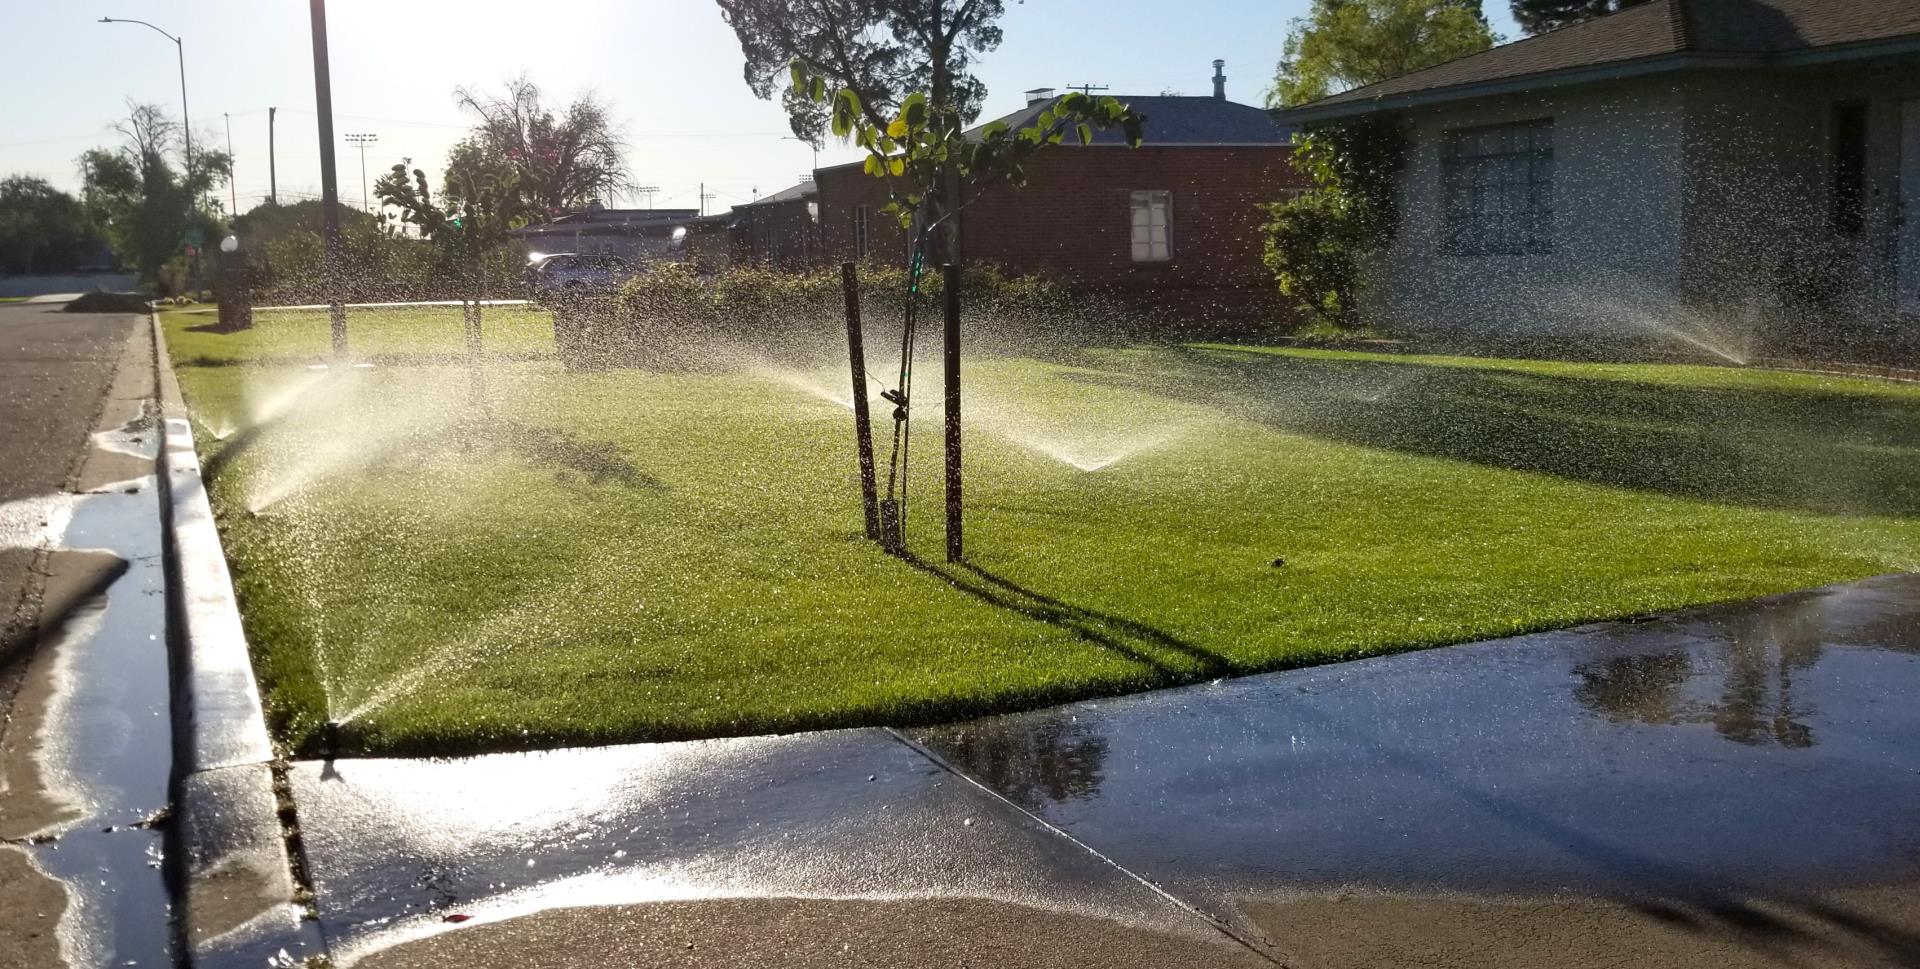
x=576 y=274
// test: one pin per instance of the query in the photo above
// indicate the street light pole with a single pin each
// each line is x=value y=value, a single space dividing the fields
x=809 y=144
x=186 y=120
x=233 y=192
x=363 y=140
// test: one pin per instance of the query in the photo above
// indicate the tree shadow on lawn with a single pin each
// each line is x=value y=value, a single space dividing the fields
x=599 y=462
x=1810 y=450
x=1171 y=658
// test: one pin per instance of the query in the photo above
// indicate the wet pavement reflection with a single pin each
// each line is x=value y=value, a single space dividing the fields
x=104 y=749
x=397 y=848
x=1735 y=785
x=1717 y=760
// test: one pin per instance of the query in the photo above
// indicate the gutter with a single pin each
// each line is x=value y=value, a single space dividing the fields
x=238 y=899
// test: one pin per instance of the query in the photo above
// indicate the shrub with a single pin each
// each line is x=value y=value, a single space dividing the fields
x=673 y=316
x=1314 y=243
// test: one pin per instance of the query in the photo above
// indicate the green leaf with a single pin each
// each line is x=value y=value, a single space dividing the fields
x=898 y=129
x=1086 y=133
x=897 y=165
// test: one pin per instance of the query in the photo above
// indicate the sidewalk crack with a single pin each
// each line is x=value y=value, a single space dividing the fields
x=1260 y=950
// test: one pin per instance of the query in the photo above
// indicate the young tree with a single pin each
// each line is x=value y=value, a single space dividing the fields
x=1344 y=44
x=559 y=162
x=1540 y=16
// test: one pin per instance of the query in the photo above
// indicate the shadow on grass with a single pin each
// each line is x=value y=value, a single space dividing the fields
x=1173 y=660
x=600 y=462
x=1785 y=447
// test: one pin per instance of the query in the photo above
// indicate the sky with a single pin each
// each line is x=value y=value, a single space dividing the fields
x=671 y=70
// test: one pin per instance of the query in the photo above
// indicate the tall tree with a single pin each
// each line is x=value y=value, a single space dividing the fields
x=42 y=229
x=1540 y=16
x=558 y=161
x=144 y=203
x=1344 y=44
x=882 y=50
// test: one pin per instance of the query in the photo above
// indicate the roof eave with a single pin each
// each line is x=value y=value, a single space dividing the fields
x=1844 y=53
x=1616 y=71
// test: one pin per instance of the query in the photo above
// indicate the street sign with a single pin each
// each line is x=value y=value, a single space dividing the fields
x=196 y=236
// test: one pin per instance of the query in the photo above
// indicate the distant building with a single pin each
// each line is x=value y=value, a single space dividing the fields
x=781 y=230
x=1173 y=224
x=1678 y=163
x=640 y=235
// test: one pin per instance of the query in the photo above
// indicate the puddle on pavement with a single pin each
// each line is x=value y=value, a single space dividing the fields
x=1759 y=751
x=103 y=746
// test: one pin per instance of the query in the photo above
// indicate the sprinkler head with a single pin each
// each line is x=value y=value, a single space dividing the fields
x=330 y=739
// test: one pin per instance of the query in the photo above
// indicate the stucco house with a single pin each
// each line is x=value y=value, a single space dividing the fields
x=1728 y=170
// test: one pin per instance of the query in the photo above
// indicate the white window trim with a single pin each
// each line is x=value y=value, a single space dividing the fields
x=862 y=231
x=1165 y=197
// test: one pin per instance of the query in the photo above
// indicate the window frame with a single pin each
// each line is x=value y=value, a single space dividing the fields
x=1164 y=198
x=862 y=231
x=1497 y=196
x=1848 y=133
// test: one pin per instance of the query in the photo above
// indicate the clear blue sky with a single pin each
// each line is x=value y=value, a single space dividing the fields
x=671 y=69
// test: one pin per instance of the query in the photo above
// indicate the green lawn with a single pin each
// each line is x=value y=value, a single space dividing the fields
x=638 y=555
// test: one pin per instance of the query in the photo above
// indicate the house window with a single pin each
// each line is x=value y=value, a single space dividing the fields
x=1849 y=168
x=1499 y=189
x=861 y=237
x=1152 y=226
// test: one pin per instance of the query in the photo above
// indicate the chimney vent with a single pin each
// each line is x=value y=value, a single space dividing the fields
x=1219 y=80
x=1039 y=94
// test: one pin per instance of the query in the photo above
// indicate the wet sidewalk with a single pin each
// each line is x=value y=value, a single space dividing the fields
x=1731 y=786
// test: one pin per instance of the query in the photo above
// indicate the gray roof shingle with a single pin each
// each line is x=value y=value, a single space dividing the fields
x=1175 y=120
x=1657 y=29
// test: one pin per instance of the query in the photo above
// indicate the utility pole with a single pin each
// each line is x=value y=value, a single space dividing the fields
x=233 y=192
x=1086 y=89
x=705 y=197
x=329 y=184
x=273 y=177
x=363 y=140
x=647 y=191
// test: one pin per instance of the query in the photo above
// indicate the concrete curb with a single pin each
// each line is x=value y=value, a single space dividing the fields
x=238 y=905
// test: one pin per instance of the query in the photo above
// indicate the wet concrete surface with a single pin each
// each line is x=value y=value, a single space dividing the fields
x=395 y=847
x=1731 y=786
x=85 y=758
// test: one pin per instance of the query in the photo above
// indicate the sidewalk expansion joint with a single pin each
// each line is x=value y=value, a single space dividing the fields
x=1257 y=949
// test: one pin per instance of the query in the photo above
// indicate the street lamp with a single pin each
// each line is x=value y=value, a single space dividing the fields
x=363 y=140
x=809 y=144
x=186 y=122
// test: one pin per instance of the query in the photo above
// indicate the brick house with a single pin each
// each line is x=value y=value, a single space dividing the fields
x=1741 y=169
x=1173 y=224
